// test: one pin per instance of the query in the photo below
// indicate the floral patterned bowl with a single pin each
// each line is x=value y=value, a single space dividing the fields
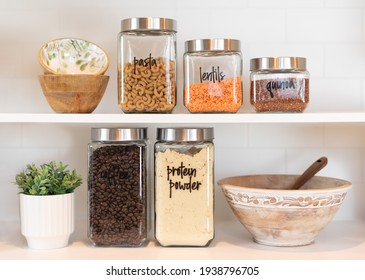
x=73 y=56
x=275 y=215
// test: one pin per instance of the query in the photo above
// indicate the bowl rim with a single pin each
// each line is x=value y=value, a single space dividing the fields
x=48 y=69
x=224 y=184
x=49 y=75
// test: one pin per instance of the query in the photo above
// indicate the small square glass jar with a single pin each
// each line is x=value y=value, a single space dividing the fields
x=212 y=76
x=147 y=65
x=279 y=84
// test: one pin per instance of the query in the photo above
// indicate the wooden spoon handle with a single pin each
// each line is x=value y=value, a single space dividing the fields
x=310 y=172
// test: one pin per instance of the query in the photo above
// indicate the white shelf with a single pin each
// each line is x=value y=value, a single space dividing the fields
x=338 y=241
x=356 y=117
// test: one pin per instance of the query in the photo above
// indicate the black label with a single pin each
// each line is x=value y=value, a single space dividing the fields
x=144 y=62
x=174 y=174
x=213 y=76
x=276 y=85
x=114 y=174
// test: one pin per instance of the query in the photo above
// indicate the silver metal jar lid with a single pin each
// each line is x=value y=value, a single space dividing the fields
x=278 y=63
x=212 y=45
x=185 y=134
x=118 y=134
x=149 y=23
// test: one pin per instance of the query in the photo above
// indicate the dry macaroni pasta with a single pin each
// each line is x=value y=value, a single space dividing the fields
x=148 y=89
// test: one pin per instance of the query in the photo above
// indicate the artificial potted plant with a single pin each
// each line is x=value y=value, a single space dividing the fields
x=47 y=204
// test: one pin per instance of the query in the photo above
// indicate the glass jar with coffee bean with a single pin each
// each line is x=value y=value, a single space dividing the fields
x=279 y=84
x=117 y=201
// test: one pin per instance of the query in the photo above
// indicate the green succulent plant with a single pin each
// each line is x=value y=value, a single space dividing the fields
x=48 y=179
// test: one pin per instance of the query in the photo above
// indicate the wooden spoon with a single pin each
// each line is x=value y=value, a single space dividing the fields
x=309 y=173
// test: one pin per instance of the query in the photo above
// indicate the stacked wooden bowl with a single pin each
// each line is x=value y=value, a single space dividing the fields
x=73 y=80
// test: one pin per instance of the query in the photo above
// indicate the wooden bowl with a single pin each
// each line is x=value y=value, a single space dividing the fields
x=73 y=93
x=276 y=215
x=73 y=56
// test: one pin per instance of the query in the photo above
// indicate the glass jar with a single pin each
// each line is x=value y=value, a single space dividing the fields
x=184 y=186
x=279 y=84
x=147 y=65
x=212 y=76
x=117 y=186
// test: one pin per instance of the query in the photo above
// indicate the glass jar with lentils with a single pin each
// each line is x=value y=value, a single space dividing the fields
x=213 y=75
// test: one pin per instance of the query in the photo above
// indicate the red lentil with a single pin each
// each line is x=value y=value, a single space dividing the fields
x=220 y=97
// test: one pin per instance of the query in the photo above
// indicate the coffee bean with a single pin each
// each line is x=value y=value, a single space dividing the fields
x=117 y=195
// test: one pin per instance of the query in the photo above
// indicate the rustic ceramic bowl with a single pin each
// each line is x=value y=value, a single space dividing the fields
x=73 y=56
x=278 y=216
x=73 y=93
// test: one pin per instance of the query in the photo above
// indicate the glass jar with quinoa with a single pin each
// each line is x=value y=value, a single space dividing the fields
x=147 y=65
x=279 y=84
x=212 y=76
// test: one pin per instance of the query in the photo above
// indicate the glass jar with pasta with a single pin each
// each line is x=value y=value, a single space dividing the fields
x=147 y=65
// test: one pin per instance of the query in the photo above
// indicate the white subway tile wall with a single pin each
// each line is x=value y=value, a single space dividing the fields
x=329 y=33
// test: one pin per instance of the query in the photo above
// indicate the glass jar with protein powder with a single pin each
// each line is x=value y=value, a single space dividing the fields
x=184 y=186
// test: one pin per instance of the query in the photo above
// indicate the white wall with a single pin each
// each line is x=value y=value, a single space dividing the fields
x=330 y=34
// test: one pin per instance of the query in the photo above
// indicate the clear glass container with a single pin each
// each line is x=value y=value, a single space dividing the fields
x=117 y=201
x=147 y=65
x=279 y=84
x=184 y=186
x=213 y=76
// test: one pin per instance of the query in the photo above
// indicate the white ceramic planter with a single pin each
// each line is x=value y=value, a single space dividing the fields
x=47 y=221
